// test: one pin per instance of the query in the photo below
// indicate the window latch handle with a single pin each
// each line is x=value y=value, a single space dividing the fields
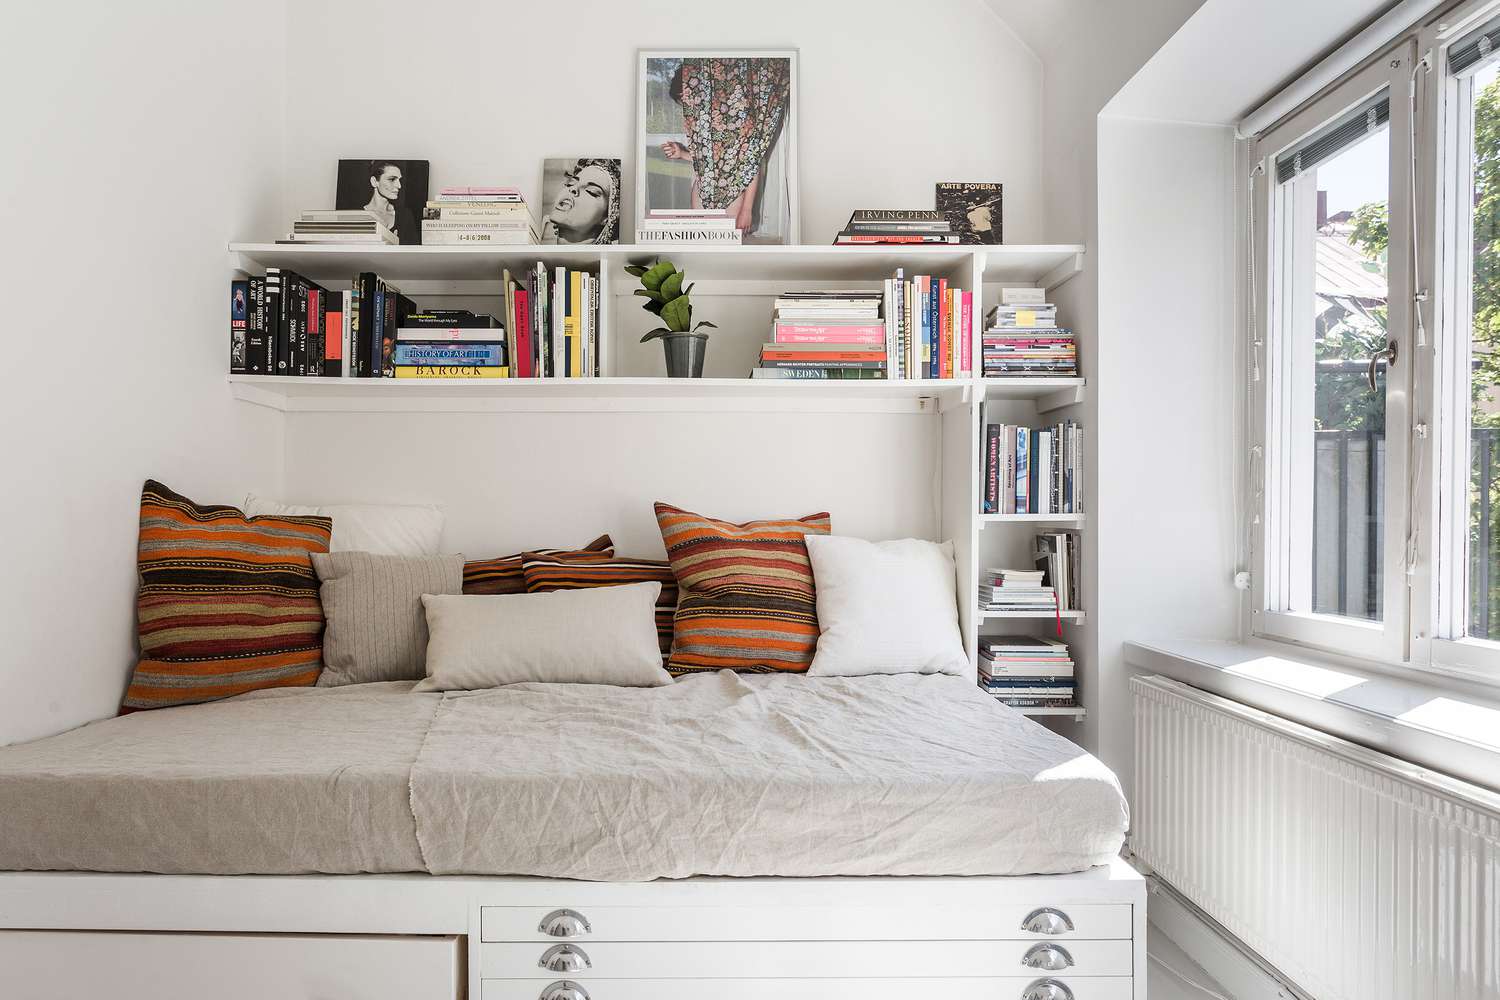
x=1388 y=355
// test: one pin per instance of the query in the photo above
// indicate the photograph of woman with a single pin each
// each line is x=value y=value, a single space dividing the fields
x=387 y=189
x=582 y=196
x=716 y=132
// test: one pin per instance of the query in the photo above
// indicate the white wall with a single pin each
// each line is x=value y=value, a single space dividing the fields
x=139 y=139
x=893 y=98
x=1167 y=464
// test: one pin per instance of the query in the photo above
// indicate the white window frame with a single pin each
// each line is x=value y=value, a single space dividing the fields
x=1443 y=504
x=1282 y=403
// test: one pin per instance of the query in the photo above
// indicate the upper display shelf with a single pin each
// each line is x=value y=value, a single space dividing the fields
x=1048 y=266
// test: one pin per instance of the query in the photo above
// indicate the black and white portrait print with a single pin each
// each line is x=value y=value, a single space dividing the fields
x=581 y=200
x=394 y=191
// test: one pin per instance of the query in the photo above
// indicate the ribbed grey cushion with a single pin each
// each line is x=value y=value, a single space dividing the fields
x=373 y=603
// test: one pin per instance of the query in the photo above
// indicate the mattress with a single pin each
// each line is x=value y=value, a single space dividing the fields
x=719 y=774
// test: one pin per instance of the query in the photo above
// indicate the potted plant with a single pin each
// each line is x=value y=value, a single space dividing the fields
x=667 y=299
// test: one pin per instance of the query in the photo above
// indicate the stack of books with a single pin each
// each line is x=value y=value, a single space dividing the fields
x=927 y=327
x=1025 y=671
x=450 y=343
x=884 y=227
x=1022 y=338
x=826 y=335
x=478 y=216
x=1032 y=471
x=552 y=321
x=354 y=226
x=688 y=225
x=1017 y=590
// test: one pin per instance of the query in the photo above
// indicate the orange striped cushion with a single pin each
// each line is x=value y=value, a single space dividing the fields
x=582 y=570
x=227 y=604
x=745 y=592
x=506 y=575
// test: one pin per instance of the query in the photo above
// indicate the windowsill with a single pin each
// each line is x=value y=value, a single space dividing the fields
x=1422 y=721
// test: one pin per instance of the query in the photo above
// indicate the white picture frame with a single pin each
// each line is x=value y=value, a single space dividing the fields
x=774 y=211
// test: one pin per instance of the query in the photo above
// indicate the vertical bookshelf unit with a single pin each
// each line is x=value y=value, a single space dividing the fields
x=735 y=285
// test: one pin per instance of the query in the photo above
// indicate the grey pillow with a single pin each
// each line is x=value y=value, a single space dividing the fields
x=373 y=604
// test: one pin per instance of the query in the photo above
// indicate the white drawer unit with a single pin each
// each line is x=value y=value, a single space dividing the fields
x=65 y=965
x=804 y=923
x=1007 y=988
x=799 y=959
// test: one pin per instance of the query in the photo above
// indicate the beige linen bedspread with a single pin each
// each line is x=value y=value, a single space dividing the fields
x=721 y=774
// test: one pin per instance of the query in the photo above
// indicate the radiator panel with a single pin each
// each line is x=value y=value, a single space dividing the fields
x=1359 y=876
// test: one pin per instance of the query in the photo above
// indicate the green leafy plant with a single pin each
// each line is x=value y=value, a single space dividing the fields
x=666 y=298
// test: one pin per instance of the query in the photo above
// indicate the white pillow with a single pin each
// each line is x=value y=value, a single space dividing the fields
x=598 y=635
x=384 y=529
x=885 y=607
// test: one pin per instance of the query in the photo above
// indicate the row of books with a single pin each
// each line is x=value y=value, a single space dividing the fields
x=282 y=323
x=1022 y=338
x=902 y=227
x=1031 y=470
x=688 y=225
x=1025 y=671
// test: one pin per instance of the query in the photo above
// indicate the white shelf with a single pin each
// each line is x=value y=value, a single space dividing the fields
x=1031 y=519
x=1046 y=265
x=293 y=394
x=1067 y=616
x=1077 y=713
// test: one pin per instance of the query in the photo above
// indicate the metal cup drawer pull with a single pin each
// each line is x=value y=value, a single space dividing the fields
x=1047 y=921
x=565 y=958
x=1047 y=989
x=563 y=990
x=1047 y=957
x=564 y=923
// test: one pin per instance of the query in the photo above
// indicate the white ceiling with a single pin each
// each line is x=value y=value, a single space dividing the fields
x=1227 y=58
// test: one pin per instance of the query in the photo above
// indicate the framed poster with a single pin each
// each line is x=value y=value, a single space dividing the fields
x=717 y=129
x=581 y=200
x=394 y=191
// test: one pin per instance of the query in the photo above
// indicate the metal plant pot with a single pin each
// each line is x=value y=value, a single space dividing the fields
x=685 y=353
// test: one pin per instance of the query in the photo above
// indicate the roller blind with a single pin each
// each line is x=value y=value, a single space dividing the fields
x=1474 y=48
x=1335 y=137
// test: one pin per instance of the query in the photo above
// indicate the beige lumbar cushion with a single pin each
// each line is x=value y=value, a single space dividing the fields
x=602 y=635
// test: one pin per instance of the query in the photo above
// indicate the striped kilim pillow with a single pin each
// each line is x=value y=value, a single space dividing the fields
x=745 y=592
x=506 y=575
x=582 y=570
x=228 y=603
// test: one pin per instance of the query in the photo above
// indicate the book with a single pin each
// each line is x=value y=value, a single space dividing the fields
x=821 y=352
x=898 y=215
x=473 y=236
x=276 y=321
x=449 y=318
x=655 y=234
x=450 y=371
x=239 y=323
x=779 y=363
x=815 y=374
x=417 y=353
x=814 y=333
x=974 y=210
x=850 y=238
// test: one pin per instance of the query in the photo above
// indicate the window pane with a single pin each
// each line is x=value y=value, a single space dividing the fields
x=1484 y=363
x=1345 y=416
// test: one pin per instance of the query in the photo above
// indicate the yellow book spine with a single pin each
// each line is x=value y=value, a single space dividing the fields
x=575 y=279
x=452 y=371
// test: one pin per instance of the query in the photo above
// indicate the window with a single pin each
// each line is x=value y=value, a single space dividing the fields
x=1376 y=476
x=1334 y=382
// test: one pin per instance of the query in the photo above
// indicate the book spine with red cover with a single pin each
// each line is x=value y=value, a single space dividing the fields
x=966 y=343
x=945 y=327
x=773 y=355
x=521 y=365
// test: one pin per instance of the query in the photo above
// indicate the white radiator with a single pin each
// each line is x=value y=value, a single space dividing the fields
x=1359 y=876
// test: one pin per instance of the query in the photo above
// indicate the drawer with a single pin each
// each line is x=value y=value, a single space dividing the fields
x=65 y=965
x=798 y=959
x=1007 y=988
x=806 y=923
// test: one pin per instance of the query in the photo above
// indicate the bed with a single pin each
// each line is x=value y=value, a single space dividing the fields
x=524 y=827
